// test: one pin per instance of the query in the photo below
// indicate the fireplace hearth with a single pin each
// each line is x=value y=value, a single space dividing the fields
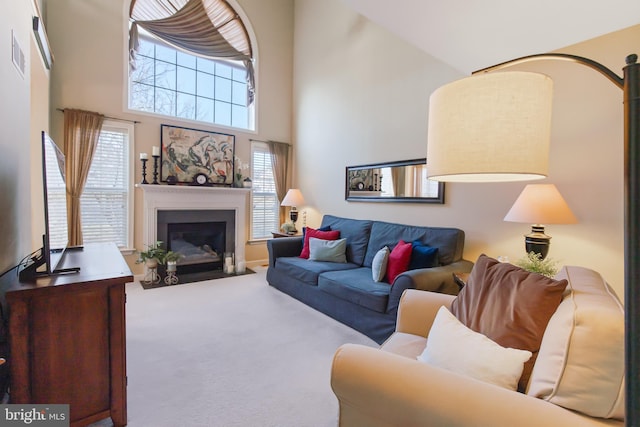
x=188 y=205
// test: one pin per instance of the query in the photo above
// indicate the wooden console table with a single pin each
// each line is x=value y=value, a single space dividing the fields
x=67 y=337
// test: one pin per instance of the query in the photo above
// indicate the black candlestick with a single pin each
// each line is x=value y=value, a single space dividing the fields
x=144 y=171
x=155 y=169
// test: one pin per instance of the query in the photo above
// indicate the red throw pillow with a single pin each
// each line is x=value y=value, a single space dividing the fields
x=325 y=235
x=399 y=259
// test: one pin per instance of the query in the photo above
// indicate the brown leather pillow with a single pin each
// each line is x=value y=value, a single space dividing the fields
x=509 y=305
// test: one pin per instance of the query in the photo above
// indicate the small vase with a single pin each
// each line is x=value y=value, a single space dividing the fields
x=247 y=183
x=171 y=265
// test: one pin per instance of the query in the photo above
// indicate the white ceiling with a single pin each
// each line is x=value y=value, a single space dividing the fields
x=474 y=34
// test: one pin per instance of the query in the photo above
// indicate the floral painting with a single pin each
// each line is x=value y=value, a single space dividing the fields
x=189 y=152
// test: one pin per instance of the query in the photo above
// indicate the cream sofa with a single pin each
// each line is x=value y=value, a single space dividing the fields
x=577 y=380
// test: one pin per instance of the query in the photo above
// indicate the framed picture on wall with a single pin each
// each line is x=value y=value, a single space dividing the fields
x=188 y=154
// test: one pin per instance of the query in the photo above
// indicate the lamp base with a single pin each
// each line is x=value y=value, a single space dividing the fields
x=537 y=241
x=293 y=214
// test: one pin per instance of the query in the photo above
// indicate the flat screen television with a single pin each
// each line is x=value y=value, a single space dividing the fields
x=55 y=238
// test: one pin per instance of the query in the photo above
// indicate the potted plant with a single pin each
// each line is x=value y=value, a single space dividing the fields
x=170 y=259
x=534 y=263
x=153 y=255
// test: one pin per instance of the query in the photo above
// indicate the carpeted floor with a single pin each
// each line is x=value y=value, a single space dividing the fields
x=229 y=352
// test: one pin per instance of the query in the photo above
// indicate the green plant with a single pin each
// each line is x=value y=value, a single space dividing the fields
x=533 y=262
x=171 y=256
x=154 y=251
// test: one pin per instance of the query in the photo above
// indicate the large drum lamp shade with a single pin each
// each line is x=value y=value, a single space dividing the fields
x=490 y=127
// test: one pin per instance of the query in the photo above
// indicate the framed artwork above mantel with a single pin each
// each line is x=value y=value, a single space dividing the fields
x=189 y=153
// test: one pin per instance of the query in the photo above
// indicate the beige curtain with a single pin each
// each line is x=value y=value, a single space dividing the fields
x=209 y=28
x=418 y=174
x=81 y=132
x=398 y=180
x=280 y=163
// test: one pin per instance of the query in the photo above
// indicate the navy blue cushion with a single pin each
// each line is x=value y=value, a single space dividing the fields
x=449 y=241
x=422 y=256
x=307 y=271
x=356 y=286
x=389 y=234
x=356 y=231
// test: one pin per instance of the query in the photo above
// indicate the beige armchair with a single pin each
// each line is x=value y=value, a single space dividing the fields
x=389 y=387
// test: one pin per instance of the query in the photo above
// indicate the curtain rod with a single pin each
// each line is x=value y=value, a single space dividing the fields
x=259 y=140
x=107 y=117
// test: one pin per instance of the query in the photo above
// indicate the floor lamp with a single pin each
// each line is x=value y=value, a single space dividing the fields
x=478 y=133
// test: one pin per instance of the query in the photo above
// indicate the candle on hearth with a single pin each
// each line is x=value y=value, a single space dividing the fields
x=156 y=151
x=241 y=267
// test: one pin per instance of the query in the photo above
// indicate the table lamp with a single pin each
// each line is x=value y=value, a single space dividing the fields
x=293 y=198
x=538 y=204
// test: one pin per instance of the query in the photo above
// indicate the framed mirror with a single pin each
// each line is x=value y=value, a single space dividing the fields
x=402 y=181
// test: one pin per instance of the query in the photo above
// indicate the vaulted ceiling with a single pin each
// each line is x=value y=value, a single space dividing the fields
x=474 y=34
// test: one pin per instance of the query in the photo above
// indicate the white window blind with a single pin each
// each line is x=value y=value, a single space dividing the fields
x=264 y=200
x=106 y=200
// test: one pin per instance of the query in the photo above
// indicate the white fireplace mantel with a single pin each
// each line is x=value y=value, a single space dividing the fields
x=179 y=197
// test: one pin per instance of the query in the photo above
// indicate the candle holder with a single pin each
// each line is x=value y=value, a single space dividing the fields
x=144 y=171
x=155 y=169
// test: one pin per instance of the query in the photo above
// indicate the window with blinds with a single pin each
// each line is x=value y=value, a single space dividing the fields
x=106 y=205
x=264 y=200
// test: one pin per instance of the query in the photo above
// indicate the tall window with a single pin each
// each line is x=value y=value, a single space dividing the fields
x=264 y=200
x=106 y=202
x=173 y=83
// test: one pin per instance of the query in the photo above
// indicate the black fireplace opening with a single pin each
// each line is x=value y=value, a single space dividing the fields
x=201 y=244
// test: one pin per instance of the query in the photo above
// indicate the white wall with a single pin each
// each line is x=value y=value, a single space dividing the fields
x=361 y=96
x=15 y=212
x=90 y=38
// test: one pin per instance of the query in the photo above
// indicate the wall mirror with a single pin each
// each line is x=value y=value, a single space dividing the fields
x=402 y=181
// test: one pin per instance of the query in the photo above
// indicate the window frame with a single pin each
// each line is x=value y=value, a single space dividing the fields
x=262 y=147
x=251 y=109
x=129 y=179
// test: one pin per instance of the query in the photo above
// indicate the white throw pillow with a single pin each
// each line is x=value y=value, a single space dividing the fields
x=454 y=347
x=327 y=250
x=379 y=264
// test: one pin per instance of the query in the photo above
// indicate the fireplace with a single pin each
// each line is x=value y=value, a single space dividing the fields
x=201 y=244
x=200 y=236
x=186 y=208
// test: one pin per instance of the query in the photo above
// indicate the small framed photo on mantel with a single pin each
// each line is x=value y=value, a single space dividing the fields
x=190 y=153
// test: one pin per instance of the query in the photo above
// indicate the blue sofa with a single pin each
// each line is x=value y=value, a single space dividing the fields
x=347 y=291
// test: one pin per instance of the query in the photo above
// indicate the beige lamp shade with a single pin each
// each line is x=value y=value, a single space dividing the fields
x=541 y=204
x=293 y=198
x=490 y=127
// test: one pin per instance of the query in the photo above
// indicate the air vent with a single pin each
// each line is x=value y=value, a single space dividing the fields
x=17 y=55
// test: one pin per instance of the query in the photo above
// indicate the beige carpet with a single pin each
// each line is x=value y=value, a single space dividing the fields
x=230 y=352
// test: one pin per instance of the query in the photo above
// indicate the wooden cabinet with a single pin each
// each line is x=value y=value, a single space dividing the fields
x=67 y=337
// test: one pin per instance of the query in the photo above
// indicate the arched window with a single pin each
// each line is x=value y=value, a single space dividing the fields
x=191 y=59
